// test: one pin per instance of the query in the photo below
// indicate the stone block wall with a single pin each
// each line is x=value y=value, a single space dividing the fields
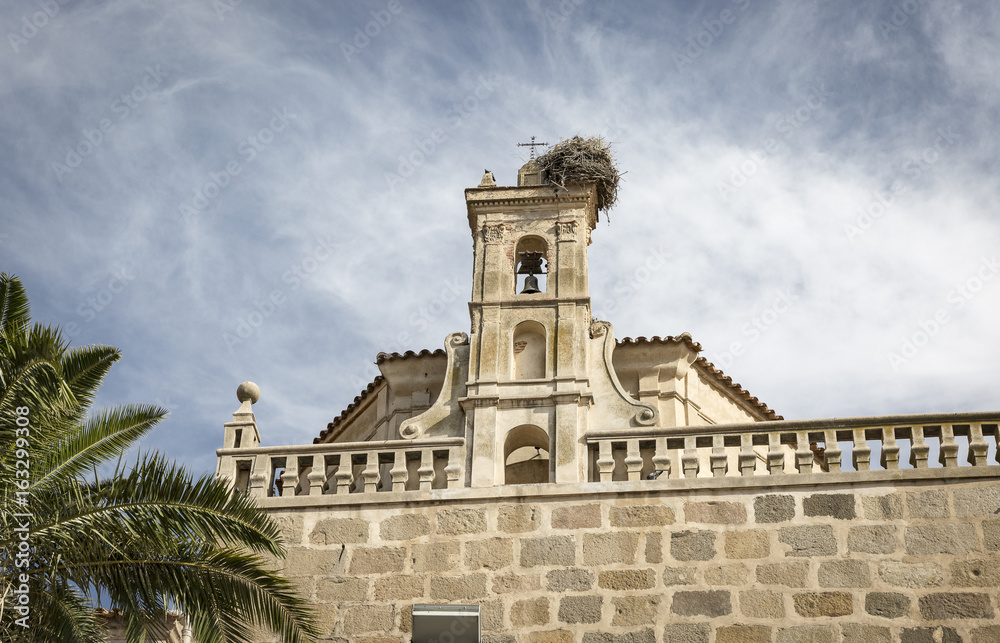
x=909 y=562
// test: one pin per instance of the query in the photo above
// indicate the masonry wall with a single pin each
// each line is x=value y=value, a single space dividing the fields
x=916 y=562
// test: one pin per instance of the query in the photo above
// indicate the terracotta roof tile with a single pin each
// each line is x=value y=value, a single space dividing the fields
x=683 y=338
x=727 y=381
x=374 y=384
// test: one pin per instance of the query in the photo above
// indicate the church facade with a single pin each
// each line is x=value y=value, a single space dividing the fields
x=567 y=486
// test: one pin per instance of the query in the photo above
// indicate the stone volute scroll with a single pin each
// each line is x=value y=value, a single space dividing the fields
x=614 y=403
x=445 y=417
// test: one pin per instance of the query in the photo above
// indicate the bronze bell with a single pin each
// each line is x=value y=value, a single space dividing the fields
x=530 y=285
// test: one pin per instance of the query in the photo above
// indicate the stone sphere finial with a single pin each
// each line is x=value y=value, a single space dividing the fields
x=248 y=391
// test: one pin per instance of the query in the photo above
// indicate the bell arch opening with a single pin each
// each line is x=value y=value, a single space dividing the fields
x=530 y=265
x=528 y=351
x=526 y=455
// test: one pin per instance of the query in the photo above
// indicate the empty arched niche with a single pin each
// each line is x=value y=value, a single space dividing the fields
x=526 y=455
x=530 y=254
x=528 y=351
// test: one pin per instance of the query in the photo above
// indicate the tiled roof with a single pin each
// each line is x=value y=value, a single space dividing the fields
x=683 y=338
x=728 y=382
x=391 y=357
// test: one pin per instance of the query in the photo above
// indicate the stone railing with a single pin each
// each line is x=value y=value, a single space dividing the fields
x=867 y=444
x=349 y=467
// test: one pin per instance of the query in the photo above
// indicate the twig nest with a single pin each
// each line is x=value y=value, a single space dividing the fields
x=583 y=160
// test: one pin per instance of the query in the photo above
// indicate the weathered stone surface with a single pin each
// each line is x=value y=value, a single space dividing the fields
x=641 y=516
x=812 y=540
x=577 y=517
x=855 y=633
x=377 y=560
x=549 y=550
x=686 y=633
x=290 y=527
x=405 y=527
x=769 y=509
x=727 y=575
x=339 y=531
x=406 y=619
x=453 y=588
x=883 y=507
x=743 y=634
x=569 y=580
x=610 y=548
x=642 y=636
x=518 y=519
x=844 y=573
x=554 y=636
x=367 y=618
x=491 y=615
x=928 y=504
x=922 y=540
x=378 y=639
x=493 y=553
x=887 y=604
x=580 y=609
x=435 y=557
x=497 y=638
x=977 y=502
x=507 y=583
x=461 y=521
x=929 y=635
x=761 y=604
x=911 y=575
x=716 y=512
x=791 y=574
x=399 y=588
x=702 y=603
x=834 y=505
x=755 y=543
x=806 y=634
x=627 y=579
x=338 y=589
x=988 y=634
x=991 y=534
x=872 y=539
x=678 y=576
x=975 y=573
x=692 y=545
x=654 y=547
x=301 y=561
x=938 y=607
x=635 y=610
x=529 y=612
x=815 y=604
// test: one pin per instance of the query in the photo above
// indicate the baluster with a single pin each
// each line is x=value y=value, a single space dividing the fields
x=890 y=450
x=426 y=470
x=345 y=474
x=861 y=453
x=661 y=458
x=453 y=471
x=748 y=458
x=919 y=449
x=317 y=475
x=948 y=457
x=260 y=484
x=775 y=454
x=717 y=460
x=689 y=460
x=370 y=475
x=290 y=476
x=803 y=454
x=978 y=447
x=605 y=461
x=398 y=472
x=832 y=453
x=633 y=459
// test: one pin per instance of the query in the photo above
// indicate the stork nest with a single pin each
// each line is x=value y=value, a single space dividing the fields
x=580 y=160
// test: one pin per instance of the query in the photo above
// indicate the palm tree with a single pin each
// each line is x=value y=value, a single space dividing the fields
x=148 y=538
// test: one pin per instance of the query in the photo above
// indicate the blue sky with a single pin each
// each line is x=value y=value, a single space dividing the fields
x=234 y=191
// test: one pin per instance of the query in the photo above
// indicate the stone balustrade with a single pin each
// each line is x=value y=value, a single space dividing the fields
x=866 y=444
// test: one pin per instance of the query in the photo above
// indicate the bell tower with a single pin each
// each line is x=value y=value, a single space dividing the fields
x=528 y=389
